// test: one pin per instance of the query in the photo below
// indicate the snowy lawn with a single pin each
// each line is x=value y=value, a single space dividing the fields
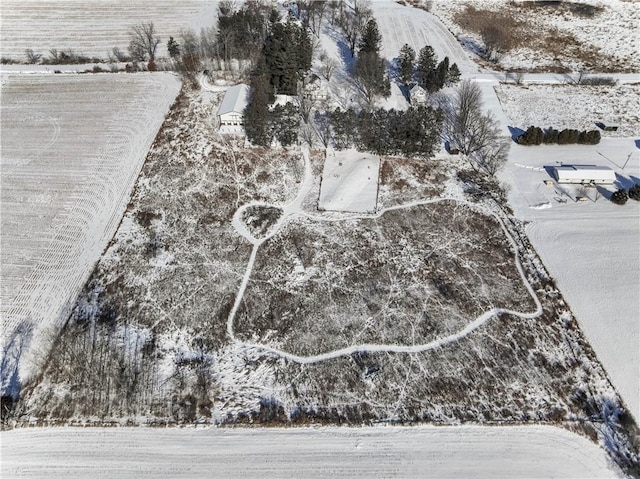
x=590 y=247
x=72 y=148
x=445 y=452
x=350 y=183
x=92 y=28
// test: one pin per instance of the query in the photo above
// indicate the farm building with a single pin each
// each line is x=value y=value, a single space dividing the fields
x=417 y=95
x=584 y=174
x=231 y=110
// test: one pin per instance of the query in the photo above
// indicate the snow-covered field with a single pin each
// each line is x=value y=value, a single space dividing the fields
x=400 y=24
x=612 y=34
x=94 y=27
x=580 y=107
x=72 y=148
x=443 y=452
x=591 y=247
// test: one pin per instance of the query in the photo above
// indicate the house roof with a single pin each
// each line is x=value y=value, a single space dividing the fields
x=235 y=99
x=417 y=89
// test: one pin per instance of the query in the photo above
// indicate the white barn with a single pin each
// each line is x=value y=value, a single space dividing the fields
x=231 y=110
x=584 y=174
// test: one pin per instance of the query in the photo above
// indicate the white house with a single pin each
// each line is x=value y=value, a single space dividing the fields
x=417 y=95
x=584 y=174
x=231 y=110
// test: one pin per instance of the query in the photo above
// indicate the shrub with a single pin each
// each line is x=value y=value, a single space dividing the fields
x=634 y=192
x=533 y=136
x=608 y=81
x=568 y=136
x=591 y=137
x=550 y=136
x=620 y=197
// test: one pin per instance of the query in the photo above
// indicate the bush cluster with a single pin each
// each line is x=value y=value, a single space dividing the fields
x=634 y=192
x=620 y=197
x=536 y=136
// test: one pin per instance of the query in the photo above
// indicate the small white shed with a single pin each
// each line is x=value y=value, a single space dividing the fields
x=584 y=174
x=231 y=110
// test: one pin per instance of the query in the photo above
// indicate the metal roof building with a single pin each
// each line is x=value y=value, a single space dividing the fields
x=584 y=174
x=231 y=110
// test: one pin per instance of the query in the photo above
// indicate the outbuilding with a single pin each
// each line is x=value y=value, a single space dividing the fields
x=231 y=110
x=608 y=126
x=584 y=174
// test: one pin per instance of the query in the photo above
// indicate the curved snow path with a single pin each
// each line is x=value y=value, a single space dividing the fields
x=294 y=209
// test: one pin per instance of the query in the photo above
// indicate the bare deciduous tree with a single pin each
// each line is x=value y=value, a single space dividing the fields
x=32 y=57
x=308 y=135
x=473 y=133
x=328 y=66
x=323 y=127
x=143 y=42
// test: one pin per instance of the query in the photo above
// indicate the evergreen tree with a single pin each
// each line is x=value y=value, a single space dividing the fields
x=370 y=39
x=454 y=75
x=370 y=75
x=287 y=52
x=425 y=68
x=284 y=123
x=441 y=74
x=620 y=197
x=173 y=48
x=406 y=58
x=256 y=118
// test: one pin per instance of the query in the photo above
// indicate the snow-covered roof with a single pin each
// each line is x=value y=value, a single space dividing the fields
x=235 y=99
x=585 y=173
x=416 y=90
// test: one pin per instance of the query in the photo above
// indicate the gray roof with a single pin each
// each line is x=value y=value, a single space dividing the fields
x=235 y=99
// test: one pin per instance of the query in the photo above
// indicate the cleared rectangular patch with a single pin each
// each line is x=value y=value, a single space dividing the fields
x=350 y=182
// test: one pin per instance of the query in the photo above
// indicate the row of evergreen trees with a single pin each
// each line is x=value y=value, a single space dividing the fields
x=414 y=132
x=536 y=136
x=425 y=71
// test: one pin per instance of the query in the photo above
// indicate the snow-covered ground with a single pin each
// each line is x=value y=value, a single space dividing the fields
x=443 y=452
x=590 y=247
x=72 y=148
x=612 y=34
x=94 y=27
x=350 y=183
x=400 y=24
